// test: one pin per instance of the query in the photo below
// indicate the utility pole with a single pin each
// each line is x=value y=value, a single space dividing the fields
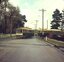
x=47 y=24
x=42 y=18
x=36 y=27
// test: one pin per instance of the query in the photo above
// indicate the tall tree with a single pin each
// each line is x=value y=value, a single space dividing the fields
x=16 y=19
x=57 y=16
x=3 y=5
x=10 y=17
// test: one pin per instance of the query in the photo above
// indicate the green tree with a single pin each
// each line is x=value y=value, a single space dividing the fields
x=10 y=17
x=57 y=16
x=3 y=7
x=16 y=19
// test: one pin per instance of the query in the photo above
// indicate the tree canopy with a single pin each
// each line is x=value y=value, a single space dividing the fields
x=10 y=17
x=57 y=16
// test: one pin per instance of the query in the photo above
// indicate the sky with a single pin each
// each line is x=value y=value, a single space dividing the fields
x=31 y=8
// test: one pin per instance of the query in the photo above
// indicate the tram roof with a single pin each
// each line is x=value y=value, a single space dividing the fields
x=24 y=28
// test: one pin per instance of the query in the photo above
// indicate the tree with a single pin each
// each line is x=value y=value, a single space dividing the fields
x=57 y=16
x=16 y=19
x=3 y=5
x=10 y=17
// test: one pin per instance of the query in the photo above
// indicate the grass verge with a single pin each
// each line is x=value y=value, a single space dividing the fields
x=55 y=42
x=7 y=35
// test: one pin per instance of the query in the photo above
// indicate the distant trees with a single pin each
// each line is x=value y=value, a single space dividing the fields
x=10 y=17
x=57 y=16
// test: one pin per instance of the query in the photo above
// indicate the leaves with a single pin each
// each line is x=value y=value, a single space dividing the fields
x=11 y=17
x=57 y=16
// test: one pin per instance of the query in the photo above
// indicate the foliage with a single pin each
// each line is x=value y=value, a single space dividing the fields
x=56 y=19
x=10 y=17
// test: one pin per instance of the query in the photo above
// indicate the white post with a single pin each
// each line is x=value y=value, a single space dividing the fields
x=46 y=38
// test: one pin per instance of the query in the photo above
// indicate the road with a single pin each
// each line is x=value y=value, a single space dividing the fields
x=29 y=50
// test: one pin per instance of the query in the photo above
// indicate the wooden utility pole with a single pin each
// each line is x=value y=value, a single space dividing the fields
x=42 y=18
x=47 y=24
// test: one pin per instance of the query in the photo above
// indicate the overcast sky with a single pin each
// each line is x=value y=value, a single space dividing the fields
x=31 y=8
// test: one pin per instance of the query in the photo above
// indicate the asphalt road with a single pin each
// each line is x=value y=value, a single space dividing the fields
x=29 y=50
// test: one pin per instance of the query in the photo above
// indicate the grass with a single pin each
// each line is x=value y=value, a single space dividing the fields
x=7 y=35
x=55 y=42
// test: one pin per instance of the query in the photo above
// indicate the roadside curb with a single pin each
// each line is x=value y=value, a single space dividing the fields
x=61 y=47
